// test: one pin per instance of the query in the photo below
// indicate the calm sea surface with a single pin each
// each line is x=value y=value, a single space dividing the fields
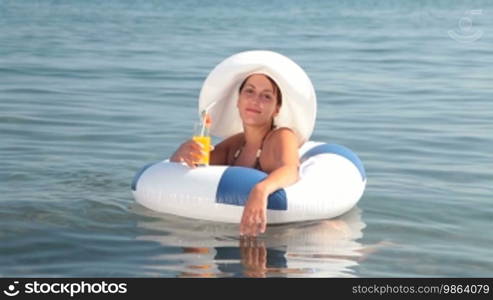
x=90 y=91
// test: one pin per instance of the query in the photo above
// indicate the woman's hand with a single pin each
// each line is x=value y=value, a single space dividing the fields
x=254 y=219
x=189 y=152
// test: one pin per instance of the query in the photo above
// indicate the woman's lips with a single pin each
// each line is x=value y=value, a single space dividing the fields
x=253 y=110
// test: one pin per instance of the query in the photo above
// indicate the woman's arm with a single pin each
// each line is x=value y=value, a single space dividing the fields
x=283 y=163
x=219 y=155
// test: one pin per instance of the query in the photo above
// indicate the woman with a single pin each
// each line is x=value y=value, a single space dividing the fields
x=261 y=145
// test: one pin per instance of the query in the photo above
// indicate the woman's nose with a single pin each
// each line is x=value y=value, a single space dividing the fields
x=257 y=98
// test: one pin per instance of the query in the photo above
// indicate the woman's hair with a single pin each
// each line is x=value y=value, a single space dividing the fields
x=276 y=88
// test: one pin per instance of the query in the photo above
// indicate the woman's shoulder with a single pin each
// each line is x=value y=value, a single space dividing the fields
x=280 y=138
x=282 y=134
x=281 y=147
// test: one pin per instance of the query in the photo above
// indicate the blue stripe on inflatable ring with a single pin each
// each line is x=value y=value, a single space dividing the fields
x=237 y=182
x=138 y=174
x=336 y=149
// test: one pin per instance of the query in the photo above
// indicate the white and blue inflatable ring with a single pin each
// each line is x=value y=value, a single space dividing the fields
x=332 y=180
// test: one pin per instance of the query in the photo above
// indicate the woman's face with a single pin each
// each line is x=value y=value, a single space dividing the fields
x=258 y=101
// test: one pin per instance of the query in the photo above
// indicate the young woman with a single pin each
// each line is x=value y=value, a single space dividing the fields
x=261 y=145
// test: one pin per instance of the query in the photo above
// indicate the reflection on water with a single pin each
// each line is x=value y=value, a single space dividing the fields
x=326 y=248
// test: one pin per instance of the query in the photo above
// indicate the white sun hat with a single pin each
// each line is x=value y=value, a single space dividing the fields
x=219 y=93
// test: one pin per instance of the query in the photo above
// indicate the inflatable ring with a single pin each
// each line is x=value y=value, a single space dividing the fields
x=331 y=181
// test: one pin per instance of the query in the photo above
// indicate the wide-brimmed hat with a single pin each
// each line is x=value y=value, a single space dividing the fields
x=219 y=93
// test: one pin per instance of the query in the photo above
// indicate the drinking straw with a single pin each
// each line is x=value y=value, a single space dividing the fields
x=204 y=117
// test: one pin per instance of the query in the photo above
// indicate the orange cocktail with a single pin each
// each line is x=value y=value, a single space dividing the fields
x=205 y=141
x=202 y=137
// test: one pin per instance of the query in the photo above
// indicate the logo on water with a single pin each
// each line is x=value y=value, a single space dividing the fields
x=467 y=34
x=11 y=290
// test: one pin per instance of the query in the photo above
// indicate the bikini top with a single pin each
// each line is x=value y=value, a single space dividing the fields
x=259 y=151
